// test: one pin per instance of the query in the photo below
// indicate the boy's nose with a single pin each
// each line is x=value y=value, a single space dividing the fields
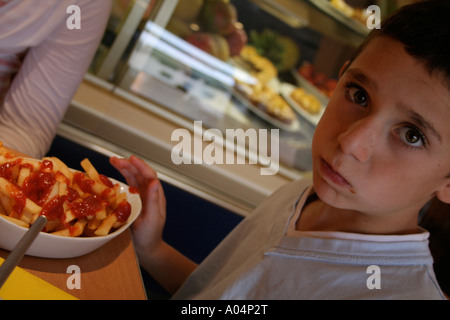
x=359 y=139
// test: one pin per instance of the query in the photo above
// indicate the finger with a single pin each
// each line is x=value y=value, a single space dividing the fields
x=136 y=166
x=126 y=170
x=144 y=169
x=142 y=172
x=152 y=207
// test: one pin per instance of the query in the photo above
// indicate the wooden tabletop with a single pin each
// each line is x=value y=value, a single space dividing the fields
x=109 y=273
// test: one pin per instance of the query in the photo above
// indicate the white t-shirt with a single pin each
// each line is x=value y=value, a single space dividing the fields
x=42 y=63
x=264 y=257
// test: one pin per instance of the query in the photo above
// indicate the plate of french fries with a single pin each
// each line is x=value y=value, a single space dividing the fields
x=84 y=210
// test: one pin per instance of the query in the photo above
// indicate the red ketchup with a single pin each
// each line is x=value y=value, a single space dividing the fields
x=123 y=211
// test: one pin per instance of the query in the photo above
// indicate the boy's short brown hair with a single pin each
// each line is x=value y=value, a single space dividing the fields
x=424 y=30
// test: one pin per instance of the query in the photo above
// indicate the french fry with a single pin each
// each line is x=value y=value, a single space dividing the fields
x=90 y=170
x=52 y=225
x=118 y=224
x=101 y=215
x=23 y=174
x=16 y=221
x=69 y=217
x=79 y=227
x=93 y=224
x=74 y=231
x=62 y=185
x=60 y=166
x=7 y=203
x=106 y=225
x=9 y=192
x=54 y=191
x=8 y=188
x=2 y=209
x=30 y=212
x=34 y=163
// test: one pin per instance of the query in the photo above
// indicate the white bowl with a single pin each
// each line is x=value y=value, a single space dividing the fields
x=47 y=245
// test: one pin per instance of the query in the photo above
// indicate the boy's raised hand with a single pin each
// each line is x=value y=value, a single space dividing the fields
x=147 y=229
x=166 y=264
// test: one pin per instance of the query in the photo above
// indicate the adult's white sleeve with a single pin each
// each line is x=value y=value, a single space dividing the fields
x=52 y=70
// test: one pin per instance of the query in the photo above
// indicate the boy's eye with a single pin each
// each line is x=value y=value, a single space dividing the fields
x=411 y=136
x=357 y=95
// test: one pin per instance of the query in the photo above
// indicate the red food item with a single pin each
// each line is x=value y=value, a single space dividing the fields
x=133 y=190
x=39 y=184
x=87 y=207
x=123 y=211
x=213 y=44
x=54 y=209
x=218 y=16
x=307 y=71
x=319 y=79
x=236 y=41
x=202 y=41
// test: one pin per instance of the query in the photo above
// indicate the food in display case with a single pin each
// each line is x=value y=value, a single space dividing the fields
x=307 y=105
x=218 y=16
x=306 y=100
x=281 y=50
x=256 y=65
x=267 y=100
x=210 y=25
x=260 y=94
x=358 y=14
x=211 y=43
x=320 y=80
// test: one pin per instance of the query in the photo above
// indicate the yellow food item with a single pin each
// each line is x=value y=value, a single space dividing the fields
x=268 y=100
x=262 y=68
x=305 y=100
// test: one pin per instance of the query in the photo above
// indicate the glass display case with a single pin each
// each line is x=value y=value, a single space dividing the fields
x=260 y=66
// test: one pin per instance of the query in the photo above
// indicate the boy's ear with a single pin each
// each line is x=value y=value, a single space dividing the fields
x=344 y=68
x=444 y=193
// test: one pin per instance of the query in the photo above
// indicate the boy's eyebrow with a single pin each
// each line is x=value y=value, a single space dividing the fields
x=359 y=75
x=419 y=120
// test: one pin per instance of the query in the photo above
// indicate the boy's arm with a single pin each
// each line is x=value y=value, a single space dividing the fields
x=168 y=267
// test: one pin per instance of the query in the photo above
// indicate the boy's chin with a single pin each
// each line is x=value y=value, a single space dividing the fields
x=338 y=198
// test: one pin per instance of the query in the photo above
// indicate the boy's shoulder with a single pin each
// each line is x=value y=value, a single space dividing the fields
x=283 y=200
x=292 y=190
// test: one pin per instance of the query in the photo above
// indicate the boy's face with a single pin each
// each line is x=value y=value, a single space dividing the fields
x=383 y=143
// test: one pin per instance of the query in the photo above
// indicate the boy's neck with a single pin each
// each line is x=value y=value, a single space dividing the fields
x=319 y=216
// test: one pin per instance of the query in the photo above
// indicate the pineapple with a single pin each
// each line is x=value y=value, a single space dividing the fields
x=281 y=50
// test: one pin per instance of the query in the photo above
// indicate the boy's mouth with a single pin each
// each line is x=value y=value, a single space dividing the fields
x=334 y=176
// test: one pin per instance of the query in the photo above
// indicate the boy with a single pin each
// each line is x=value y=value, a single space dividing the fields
x=380 y=153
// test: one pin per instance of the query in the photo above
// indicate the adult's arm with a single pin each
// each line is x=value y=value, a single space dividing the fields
x=54 y=66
